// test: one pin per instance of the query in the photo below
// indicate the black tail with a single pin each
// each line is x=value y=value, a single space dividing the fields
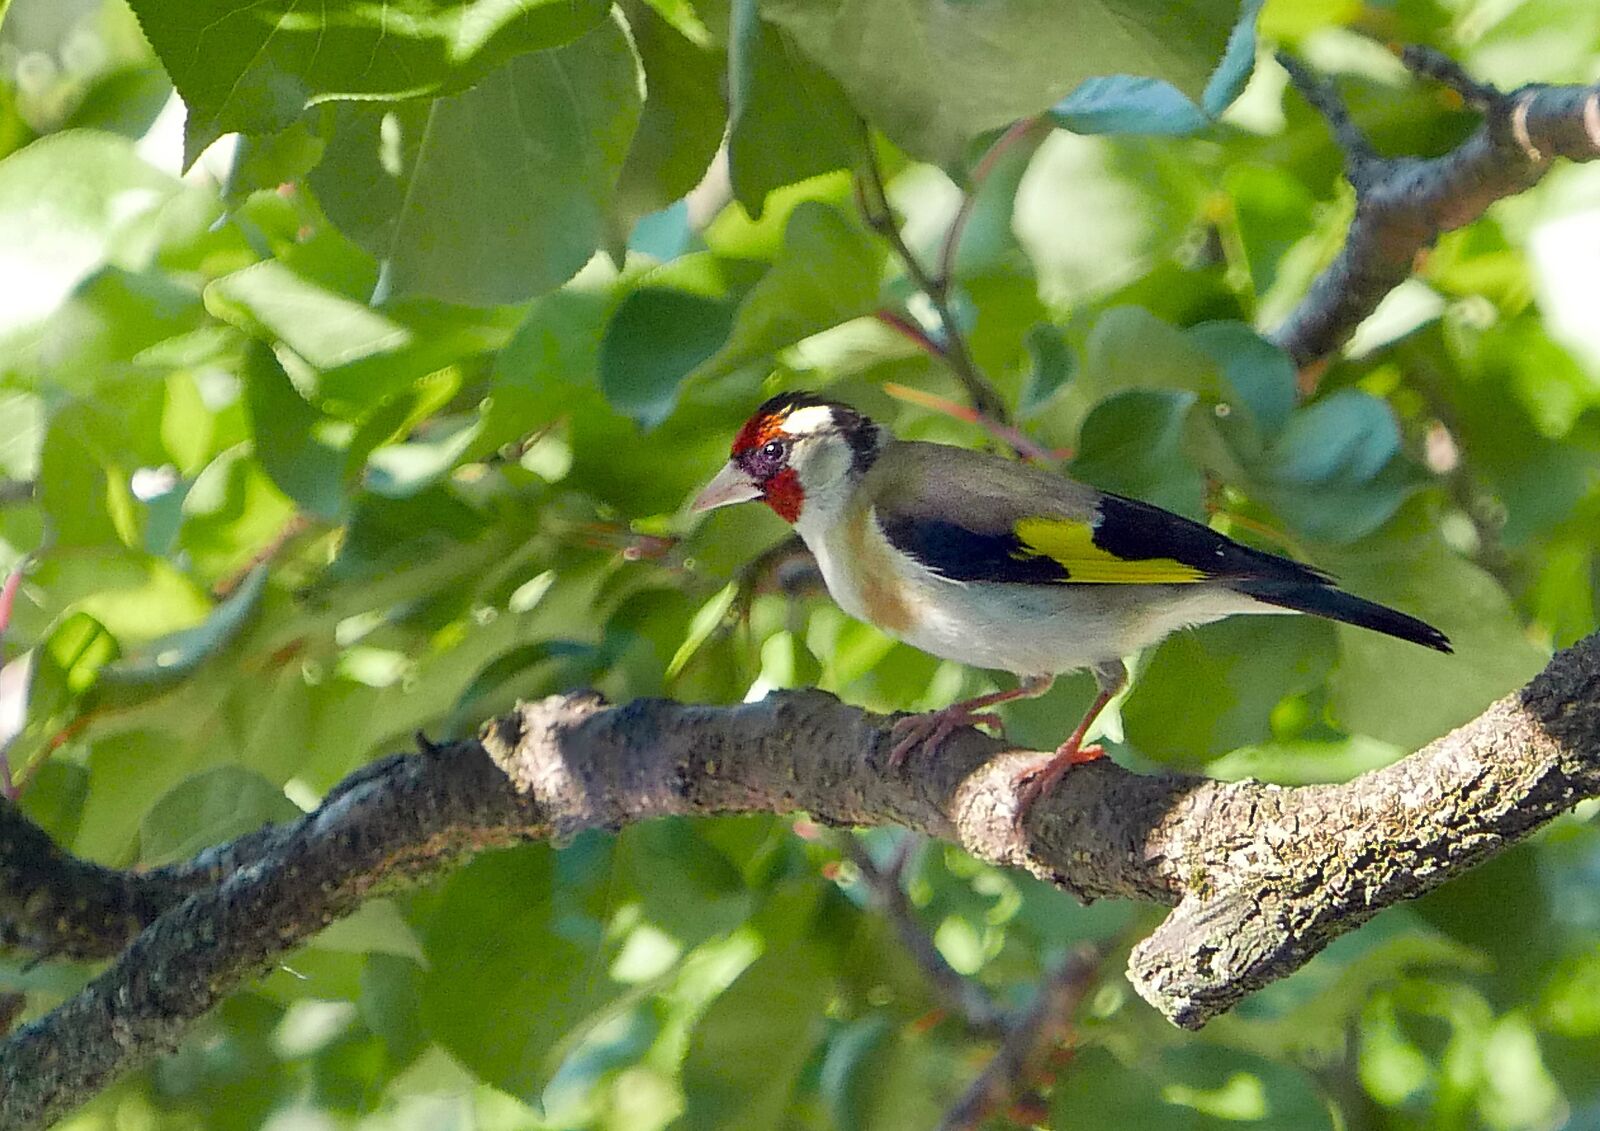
x=1326 y=601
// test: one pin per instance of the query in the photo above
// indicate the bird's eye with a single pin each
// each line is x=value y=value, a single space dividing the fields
x=773 y=450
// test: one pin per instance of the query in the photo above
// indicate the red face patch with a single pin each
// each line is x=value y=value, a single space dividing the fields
x=760 y=428
x=784 y=495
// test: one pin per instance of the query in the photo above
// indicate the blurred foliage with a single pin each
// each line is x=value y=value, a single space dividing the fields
x=383 y=415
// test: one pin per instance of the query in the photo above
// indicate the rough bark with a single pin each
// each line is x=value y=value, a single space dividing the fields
x=1403 y=204
x=1260 y=877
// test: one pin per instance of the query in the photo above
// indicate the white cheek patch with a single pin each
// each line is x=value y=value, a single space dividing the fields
x=808 y=421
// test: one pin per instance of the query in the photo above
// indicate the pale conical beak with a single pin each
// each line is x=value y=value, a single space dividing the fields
x=731 y=485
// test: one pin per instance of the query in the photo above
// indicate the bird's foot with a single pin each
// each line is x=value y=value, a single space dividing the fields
x=928 y=731
x=1034 y=781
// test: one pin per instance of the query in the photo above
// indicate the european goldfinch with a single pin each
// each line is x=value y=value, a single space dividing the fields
x=998 y=564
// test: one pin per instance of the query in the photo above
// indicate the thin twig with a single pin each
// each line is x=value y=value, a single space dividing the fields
x=297 y=524
x=961 y=995
x=1324 y=98
x=907 y=328
x=13 y=686
x=875 y=208
x=1044 y=1026
x=1439 y=67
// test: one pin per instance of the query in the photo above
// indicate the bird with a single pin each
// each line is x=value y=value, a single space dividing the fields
x=998 y=564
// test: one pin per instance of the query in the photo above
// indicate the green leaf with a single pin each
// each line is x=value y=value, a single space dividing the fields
x=1052 y=364
x=1133 y=445
x=1348 y=436
x=828 y=274
x=1407 y=695
x=23 y=436
x=262 y=162
x=935 y=76
x=1228 y=81
x=75 y=652
x=174 y=656
x=253 y=68
x=655 y=339
x=776 y=1006
x=291 y=438
x=137 y=597
x=516 y=969
x=1132 y=104
x=1192 y=1087
x=788 y=118
x=1261 y=374
x=391 y=1002
x=706 y=621
x=65 y=667
x=401 y=470
x=1209 y=691
x=125 y=101
x=100 y=332
x=327 y=330
x=360 y=355
x=209 y=808
x=82 y=501
x=1130 y=348
x=546 y=136
x=1128 y=104
x=376 y=927
x=70 y=204
x=1333 y=471
x=1570 y=1004
x=683 y=121
x=687 y=886
x=232 y=510
x=877 y=1079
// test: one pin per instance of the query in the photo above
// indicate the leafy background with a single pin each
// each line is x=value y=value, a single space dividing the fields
x=383 y=412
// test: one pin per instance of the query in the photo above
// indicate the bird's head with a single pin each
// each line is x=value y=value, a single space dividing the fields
x=799 y=454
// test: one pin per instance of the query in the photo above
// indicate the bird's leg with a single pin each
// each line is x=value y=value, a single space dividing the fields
x=1038 y=780
x=929 y=730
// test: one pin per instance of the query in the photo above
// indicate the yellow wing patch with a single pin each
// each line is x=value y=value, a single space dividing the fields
x=1072 y=545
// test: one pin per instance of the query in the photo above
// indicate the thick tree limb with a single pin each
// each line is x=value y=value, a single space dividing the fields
x=1404 y=204
x=1260 y=877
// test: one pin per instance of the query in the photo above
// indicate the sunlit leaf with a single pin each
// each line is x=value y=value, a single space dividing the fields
x=934 y=77
x=553 y=126
x=253 y=68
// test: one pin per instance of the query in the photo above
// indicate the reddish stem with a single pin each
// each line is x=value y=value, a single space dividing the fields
x=906 y=328
x=1020 y=442
x=8 y=598
x=969 y=200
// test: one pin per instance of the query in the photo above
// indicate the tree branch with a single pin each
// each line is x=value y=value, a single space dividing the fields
x=1044 y=1026
x=952 y=345
x=1404 y=204
x=1261 y=877
x=961 y=995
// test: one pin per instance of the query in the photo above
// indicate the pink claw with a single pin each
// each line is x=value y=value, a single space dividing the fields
x=930 y=730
